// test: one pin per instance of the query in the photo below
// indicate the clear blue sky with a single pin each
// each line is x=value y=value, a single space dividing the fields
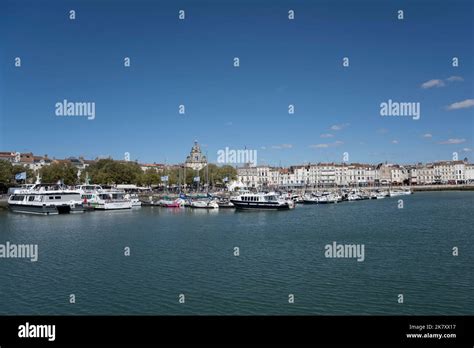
x=282 y=62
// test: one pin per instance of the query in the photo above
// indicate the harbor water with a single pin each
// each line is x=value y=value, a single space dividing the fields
x=246 y=262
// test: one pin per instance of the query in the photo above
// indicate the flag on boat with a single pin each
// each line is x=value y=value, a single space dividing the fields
x=197 y=179
x=20 y=176
x=164 y=178
x=226 y=179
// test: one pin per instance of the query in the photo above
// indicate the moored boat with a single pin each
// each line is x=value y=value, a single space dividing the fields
x=310 y=199
x=329 y=198
x=112 y=200
x=204 y=204
x=134 y=199
x=170 y=204
x=396 y=193
x=225 y=204
x=46 y=199
x=266 y=201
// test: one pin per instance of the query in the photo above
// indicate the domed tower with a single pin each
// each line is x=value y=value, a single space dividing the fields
x=196 y=160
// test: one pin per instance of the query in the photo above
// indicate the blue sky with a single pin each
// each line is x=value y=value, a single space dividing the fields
x=283 y=62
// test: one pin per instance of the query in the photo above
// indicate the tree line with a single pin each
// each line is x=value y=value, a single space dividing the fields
x=110 y=172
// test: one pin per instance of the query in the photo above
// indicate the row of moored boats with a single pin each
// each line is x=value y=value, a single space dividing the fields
x=52 y=199
x=344 y=195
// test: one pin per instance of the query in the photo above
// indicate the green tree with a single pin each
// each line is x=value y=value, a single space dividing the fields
x=8 y=172
x=150 y=177
x=109 y=172
x=30 y=174
x=59 y=171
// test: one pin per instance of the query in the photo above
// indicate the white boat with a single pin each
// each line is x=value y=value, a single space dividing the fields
x=204 y=204
x=225 y=204
x=291 y=203
x=23 y=187
x=89 y=195
x=329 y=198
x=353 y=197
x=396 y=193
x=310 y=199
x=268 y=201
x=134 y=199
x=112 y=200
x=46 y=199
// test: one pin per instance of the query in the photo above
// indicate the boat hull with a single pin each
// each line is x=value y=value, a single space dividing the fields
x=260 y=206
x=171 y=205
x=114 y=206
x=46 y=209
x=397 y=194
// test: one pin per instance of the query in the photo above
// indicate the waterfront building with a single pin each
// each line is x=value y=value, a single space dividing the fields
x=359 y=174
x=343 y=173
x=449 y=172
x=425 y=174
x=420 y=174
x=263 y=176
x=398 y=174
x=469 y=173
x=383 y=174
x=7 y=156
x=286 y=177
x=248 y=176
x=301 y=175
x=274 y=177
x=326 y=175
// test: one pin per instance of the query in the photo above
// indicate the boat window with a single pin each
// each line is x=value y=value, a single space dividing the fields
x=51 y=197
x=31 y=198
x=57 y=197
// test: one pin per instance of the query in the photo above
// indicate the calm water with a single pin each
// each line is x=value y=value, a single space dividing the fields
x=407 y=251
